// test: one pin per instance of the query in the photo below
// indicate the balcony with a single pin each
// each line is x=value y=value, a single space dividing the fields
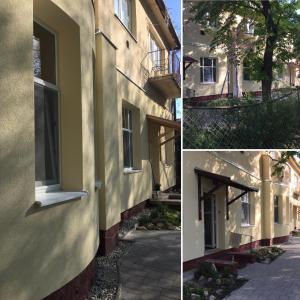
x=161 y=69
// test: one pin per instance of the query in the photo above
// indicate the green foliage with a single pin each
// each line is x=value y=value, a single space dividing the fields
x=245 y=100
x=259 y=126
x=168 y=214
x=296 y=233
x=280 y=165
x=270 y=253
x=189 y=289
x=207 y=270
x=161 y=214
x=277 y=32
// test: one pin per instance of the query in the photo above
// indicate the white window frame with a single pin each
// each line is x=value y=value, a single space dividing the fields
x=130 y=131
x=213 y=66
x=250 y=28
x=50 y=85
x=246 y=199
x=155 y=54
x=119 y=12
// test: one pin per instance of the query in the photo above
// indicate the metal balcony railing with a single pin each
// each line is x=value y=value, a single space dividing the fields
x=161 y=63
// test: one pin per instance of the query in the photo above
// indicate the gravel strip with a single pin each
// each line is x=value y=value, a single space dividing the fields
x=107 y=277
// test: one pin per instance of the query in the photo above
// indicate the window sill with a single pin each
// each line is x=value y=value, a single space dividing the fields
x=127 y=29
x=207 y=83
x=47 y=199
x=247 y=225
x=132 y=171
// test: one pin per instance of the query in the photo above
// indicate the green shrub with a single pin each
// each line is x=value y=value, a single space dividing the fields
x=206 y=269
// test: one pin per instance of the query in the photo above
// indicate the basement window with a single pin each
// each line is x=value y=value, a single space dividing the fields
x=245 y=210
x=46 y=108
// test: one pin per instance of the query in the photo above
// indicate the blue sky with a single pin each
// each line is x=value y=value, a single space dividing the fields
x=174 y=8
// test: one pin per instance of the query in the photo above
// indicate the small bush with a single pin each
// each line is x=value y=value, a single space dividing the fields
x=206 y=269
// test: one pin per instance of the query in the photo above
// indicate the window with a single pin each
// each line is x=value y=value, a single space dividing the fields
x=45 y=108
x=246 y=71
x=155 y=53
x=208 y=72
x=250 y=28
x=245 y=210
x=276 y=209
x=123 y=9
x=127 y=138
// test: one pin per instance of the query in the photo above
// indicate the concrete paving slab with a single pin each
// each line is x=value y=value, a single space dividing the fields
x=151 y=269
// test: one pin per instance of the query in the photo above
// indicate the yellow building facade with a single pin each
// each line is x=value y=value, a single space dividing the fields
x=218 y=79
x=87 y=130
x=232 y=200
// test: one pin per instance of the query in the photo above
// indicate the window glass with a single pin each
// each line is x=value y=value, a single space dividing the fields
x=46 y=135
x=45 y=108
x=208 y=71
x=276 y=209
x=127 y=138
x=123 y=9
x=245 y=210
x=44 y=64
x=246 y=71
x=155 y=52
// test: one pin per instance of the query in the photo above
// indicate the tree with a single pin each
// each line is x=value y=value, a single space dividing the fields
x=280 y=164
x=276 y=35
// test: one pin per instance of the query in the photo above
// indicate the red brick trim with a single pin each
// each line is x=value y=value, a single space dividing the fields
x=108 y=240
x=266 y=242
x=194 y=100
x=79 y=287
x=280 y=239
x=109 y=237
x=125 y=215
x=193 y=263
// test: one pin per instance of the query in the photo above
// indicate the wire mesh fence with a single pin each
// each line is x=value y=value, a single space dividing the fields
x=273 y=124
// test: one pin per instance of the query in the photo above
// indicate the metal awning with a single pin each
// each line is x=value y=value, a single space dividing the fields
x=225 y=180
x=219 y=181
x=176 y=126
x=165 y=122
x=187 y=62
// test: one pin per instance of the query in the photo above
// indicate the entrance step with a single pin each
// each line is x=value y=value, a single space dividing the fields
x=167 y=198
x=243 y=257
x=222 y=264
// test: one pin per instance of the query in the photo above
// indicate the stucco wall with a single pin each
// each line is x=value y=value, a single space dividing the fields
x=43 y=249
x=120 y=69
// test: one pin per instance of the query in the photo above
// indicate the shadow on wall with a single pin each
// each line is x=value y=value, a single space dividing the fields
x=40 y=251
x=248 y=160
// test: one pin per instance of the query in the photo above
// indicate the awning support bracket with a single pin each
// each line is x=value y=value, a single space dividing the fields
x=238 y=197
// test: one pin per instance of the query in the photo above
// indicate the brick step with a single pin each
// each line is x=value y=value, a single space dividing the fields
x=243 y=257
x=222 y=263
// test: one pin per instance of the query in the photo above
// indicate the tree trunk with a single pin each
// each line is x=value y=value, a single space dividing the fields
x=272 y=35
x=236 y=88
x=268 y=75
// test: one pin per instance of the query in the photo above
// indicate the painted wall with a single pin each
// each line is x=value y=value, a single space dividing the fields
x=121 y=82
x=43 y=249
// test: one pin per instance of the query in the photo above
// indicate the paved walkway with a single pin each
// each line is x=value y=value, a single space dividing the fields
x=279 y=280
x=151 y=268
